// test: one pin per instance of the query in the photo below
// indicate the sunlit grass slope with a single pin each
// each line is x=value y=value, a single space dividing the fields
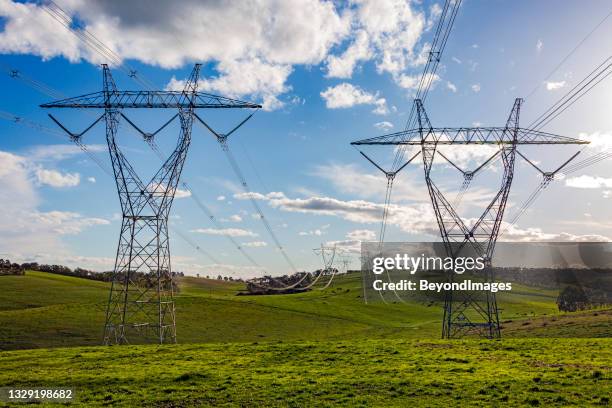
x=45 y=310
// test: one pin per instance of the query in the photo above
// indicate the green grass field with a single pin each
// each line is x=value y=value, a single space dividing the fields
x=310 y=349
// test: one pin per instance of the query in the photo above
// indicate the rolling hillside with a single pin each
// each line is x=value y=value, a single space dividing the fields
x=45 y=310
x=317 y=348
x=363 y=373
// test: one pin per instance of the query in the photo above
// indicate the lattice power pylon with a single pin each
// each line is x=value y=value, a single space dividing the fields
x=464 y=313
x=141 y=300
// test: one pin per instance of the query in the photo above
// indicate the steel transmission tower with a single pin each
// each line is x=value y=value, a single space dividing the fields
x=464 y=313
x=141 y=304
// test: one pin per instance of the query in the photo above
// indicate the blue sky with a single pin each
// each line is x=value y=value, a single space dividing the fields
x=340 y=74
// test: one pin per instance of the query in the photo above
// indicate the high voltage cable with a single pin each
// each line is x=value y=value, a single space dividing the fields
x=20 y=120
x=550 y=74
x=98 y=46
x=442 y=33
x=49 y=91
x=598 y=74
x=255 y=204
x=61 y=16
x=593 y=78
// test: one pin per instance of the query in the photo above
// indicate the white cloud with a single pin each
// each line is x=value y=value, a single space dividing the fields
x=254 y=44
x=553 y=86
x=246 y=77
x=178 y=193
x=57 y=152
x=590 y=182
x=91 y=179
x=451 y=86
x=353 y=241
x=412 y=81
x=255 y=244
x=65 y=222
x=352 y=179
x=539 y=45
x=232 y=232
x=457 y=60
x=411 y=219
x=57 y=179
x=384 y=125
x=346 y=95
x=476 y=87
x=598 y=140
x=316 y=232
x=235 y=218
x=362 y=235
x=386 y=31
x=342 y=66
x=220 y=198
x=24 y=229
x=515 y=234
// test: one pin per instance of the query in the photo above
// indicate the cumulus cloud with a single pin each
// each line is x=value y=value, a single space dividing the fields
x=362 y=235
x=476 y=87
x=353 y=240
x=57 y=179
x=343 y=65
x=346 y=95
x=316 y=232
x=586 y=181
x=255 y=244
x=598 y=140
x=386 y=31
x=232 y=232
x=516 y=234
x=91 y=179
x=57 y=152
x=246 y=77
x=64 y=222
x=352 y=179
x=178 y=193
x=25 y=230
x=553 y=86
x=411 y=219
x=252 y=44
x=452 y=87
x=384 y=125
x=412 y=82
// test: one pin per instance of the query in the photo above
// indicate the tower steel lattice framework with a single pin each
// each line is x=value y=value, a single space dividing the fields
x=141 y=300
x=464 y=313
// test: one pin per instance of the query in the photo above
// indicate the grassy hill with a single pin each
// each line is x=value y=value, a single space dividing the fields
x=46 y=310
x=385 y=373
x=317 y=348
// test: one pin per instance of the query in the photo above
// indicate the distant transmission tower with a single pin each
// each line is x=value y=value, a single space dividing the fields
x=141 y=303
x=463 y=312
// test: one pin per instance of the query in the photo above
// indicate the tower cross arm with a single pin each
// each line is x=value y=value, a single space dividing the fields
x=469 y=136
x=149 y=99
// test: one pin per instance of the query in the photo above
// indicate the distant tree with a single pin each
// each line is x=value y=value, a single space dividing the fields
x=572 y=298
